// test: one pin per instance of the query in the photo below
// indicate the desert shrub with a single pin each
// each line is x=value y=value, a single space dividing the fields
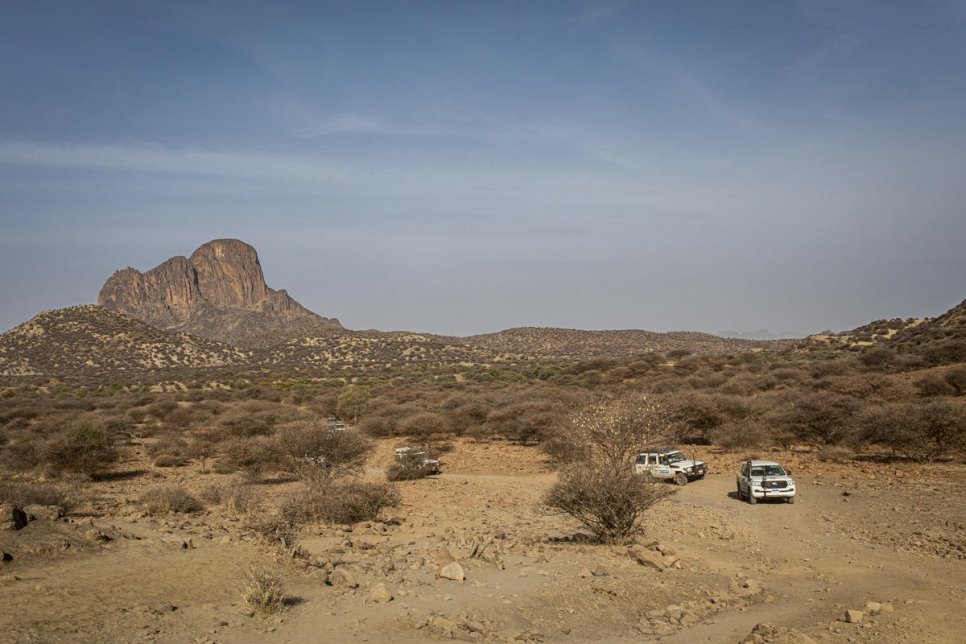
x=932 y=384
x=377 y=426
x=601 y=490
x=161 y=409
x=609 y=501
x=742 y=434
x=237 y=500
x=527 y=422
x=921 y=432
x=423 y=425
x=22 y=454
x=352 y=400
x=957 y=380
x=263 y=592
x=816 y=418
x=947 y=352
x=82 y=448
x=311 y=450
x=253 y=456
x=23 y=493
x=879 y=359
x=245 y=423
x=168 y=500
x=170 y=450
x=341 y=502
x=25 y=411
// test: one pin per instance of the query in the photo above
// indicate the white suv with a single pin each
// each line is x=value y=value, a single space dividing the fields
x=759 y=480
x=669 y=463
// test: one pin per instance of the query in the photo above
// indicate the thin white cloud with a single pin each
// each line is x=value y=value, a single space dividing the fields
x=153 y=158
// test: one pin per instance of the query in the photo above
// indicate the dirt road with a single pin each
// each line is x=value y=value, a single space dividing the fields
x=859 y=533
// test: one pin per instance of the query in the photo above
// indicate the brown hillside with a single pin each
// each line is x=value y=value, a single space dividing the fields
x=576 y=344
x=93 y=339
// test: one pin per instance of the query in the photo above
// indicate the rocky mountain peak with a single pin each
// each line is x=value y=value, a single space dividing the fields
x=219 y=292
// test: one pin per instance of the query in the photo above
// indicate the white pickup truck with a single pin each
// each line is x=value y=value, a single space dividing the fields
x=760 y=480
x=669 y=463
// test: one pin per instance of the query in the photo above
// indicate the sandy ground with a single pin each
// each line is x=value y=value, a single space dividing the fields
x=860 y=532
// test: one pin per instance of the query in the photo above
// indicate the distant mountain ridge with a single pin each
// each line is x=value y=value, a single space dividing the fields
x=218 y=293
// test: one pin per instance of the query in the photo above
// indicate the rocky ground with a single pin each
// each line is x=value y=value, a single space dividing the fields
x=871 y=552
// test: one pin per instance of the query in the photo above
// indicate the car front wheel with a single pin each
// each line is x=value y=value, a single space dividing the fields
x=751 y=498
x=680 y=478
x=791 y=499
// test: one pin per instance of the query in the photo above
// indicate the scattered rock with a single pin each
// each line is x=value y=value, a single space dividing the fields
x=853 y=616
x=585 y=573
x=767 y=634
x=380 y=594
x=46 y=512
x=12 y=517
x=452 y=571
x=5 y=557
x=443 y=556
x=343 y=578
x=647 y=557
x=873 y=608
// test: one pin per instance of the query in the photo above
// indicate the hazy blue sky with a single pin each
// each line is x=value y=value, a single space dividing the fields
x=463 y=167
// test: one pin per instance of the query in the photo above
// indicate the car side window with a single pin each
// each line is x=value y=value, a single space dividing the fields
x=662 y=459
x=744 y=469
x=652 y=459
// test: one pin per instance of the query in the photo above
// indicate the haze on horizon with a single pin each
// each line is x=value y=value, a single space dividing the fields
x=463 y=168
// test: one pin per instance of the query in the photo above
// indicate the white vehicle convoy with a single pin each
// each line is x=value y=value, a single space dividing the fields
x=419 y=456
x=669 y=463
x=759 y=480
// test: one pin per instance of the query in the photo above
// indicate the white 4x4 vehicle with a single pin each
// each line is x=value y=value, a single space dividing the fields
x=669 y=463
x=765 y=480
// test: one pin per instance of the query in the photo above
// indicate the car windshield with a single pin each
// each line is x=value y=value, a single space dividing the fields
x=768 y=470
x=674 y=457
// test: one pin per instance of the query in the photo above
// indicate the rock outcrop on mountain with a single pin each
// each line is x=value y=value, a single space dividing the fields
x=218 y=293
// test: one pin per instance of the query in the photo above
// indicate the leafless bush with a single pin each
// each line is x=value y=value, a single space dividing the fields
x=609 y=501
x=253 y=456
x=312 y=451
x=167 y=500
x=341 y=502
x=601 y=490
x=23 y=493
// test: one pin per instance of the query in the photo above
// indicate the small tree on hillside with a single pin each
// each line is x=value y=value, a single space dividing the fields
x=599 y=487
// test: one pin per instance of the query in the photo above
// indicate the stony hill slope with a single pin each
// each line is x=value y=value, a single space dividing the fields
x=577 y=344
x=93 y=339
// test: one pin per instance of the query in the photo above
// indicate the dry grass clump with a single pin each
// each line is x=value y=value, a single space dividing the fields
x=263 y=592
x=169 y=500
x=237 y=500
